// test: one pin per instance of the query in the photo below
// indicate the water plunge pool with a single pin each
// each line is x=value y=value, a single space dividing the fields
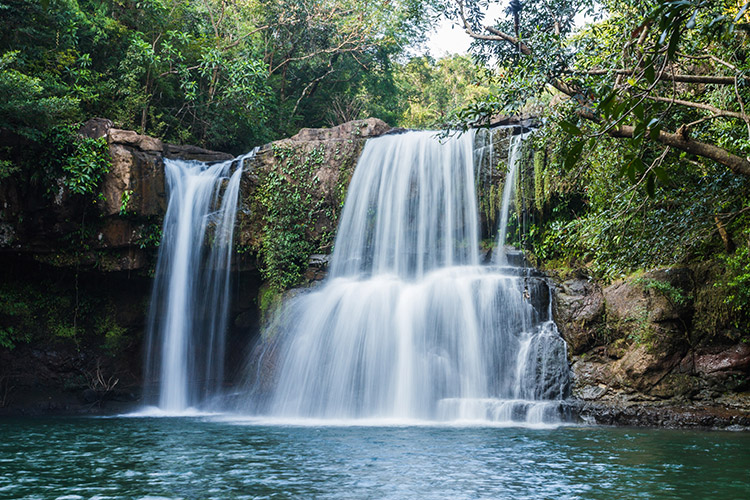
x=227 y=457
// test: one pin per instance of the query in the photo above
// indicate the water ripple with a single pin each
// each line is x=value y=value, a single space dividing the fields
x=189 y=458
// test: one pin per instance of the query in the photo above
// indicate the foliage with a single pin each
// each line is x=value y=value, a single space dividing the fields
x=642 y=158
x=54 y=310
x=643 y=70
x=434 y=91
x=284 y=198
x=674 y=295
x=83 y=160
x=223 y=75
x=735 y=285
x=591 y=216
x=150 y=236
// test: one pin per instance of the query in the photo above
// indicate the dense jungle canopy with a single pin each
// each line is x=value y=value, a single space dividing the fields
x=642 y=159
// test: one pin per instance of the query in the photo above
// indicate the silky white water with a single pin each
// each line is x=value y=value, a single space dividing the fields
x=409 y=325
x=190 y=299
x=500 y=256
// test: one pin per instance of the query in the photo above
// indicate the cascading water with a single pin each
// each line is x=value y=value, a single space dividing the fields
x=190 y=299
x=409 y=325
x=500 y=256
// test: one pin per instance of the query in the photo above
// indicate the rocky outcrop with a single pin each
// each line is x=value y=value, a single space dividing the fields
x=578 y=306
x=120 y=229
x=638 y=357
x=357 y=129
x=135 y=182
x=293 y=191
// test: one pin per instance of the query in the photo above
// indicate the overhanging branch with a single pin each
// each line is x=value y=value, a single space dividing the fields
x=681 y=141
x=705 y=79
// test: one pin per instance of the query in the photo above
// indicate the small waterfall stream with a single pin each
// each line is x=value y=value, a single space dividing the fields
x=500 y=256
x=190 y=299
x=409 y=325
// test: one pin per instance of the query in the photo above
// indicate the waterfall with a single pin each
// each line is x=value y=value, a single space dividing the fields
x=408 y=325
x=190 y=298
x=500 y=256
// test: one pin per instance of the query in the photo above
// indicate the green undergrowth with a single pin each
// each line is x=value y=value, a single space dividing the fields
x=296 y=215
x=59 y=312
x=285 y=198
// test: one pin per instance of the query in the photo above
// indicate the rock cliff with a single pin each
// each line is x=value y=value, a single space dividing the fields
x=642 y=354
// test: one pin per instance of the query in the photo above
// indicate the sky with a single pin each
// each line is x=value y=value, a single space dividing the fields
x=446 y=40
x=450 y=38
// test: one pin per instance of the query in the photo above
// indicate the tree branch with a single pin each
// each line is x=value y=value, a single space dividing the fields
x=683 y=142
x=698 y=105
x=525 y=49
x=718 y=80
x=497 y=35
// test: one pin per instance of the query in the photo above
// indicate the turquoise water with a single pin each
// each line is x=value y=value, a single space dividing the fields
x=220 y=458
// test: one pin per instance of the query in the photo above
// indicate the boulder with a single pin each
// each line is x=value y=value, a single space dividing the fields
x=133 y=139
x=371 y=127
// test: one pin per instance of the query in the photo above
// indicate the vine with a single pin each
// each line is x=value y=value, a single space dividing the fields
x=289 y=211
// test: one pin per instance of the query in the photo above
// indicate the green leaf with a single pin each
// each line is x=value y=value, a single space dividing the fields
x=638 y=164
x=570 y=128
x=606 y=103
x=674 y=40
x=638 y=111
x=619 y=109
x=649 y=73
x=650 y=187
x=661 y=174
x=654 y=131
x=574 y=154
x=630 y=169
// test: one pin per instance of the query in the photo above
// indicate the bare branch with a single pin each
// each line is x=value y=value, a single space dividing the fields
x=698 y=105
x=683 y=142
x=718 y=80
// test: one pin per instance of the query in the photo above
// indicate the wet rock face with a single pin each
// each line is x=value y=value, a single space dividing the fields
x=117 y=232
x=308 y=175
x=637 y=359
x=578 y=307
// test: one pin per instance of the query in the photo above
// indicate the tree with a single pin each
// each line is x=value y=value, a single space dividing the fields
x=434 y=91
x=662 y=74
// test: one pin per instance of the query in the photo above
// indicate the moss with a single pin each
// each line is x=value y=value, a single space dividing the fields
x=49 y=311
x=295 y=213
x=713 y=315
x=268 y=298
